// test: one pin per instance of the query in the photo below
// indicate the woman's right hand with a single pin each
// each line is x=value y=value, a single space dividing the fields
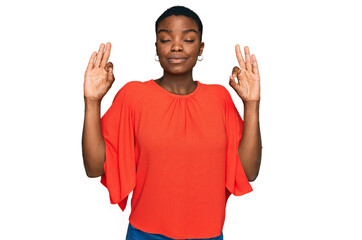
x=98 y=77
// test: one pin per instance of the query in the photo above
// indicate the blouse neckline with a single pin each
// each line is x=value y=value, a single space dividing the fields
x=178 y=95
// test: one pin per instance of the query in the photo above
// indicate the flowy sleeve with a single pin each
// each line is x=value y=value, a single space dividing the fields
x=120 y=165
x=236 y=180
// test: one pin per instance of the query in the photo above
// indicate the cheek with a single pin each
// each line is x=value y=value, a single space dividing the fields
x=161 y=52
x=159 y=49
x=195 y=51
x=162 y=61
x=194 y=54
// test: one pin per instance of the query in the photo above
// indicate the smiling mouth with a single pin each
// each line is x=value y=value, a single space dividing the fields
x=177 y=60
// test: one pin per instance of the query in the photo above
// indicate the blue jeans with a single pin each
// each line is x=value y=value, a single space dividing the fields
x=136 y=234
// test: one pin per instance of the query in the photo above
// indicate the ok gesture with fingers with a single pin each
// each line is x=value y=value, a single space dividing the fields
x=248 y=85
x=98 y=77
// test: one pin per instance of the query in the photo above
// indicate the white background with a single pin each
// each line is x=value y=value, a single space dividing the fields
x=309 y=55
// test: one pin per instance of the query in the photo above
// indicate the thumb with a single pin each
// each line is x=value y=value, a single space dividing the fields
x=110 y=76
x=109 y=66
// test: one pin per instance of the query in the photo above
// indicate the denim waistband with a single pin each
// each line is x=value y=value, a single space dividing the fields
x=136 y=234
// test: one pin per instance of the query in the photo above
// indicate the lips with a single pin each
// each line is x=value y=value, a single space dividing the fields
x=176 y=59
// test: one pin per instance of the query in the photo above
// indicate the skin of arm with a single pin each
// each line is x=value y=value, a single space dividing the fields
x=250 y=146
x=248 y=89
x=93 y=145
x=98 y=79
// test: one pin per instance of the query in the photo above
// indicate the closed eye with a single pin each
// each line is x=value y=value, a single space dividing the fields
x=189 y=41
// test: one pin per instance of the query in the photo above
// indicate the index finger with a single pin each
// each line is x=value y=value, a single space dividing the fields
x=255 y=65
x=91 y=61
x=106 y=55
x=239 y=56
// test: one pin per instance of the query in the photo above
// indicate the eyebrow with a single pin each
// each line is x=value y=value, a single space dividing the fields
x=184 y=31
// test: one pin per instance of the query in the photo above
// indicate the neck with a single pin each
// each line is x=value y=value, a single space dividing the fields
x=178 y=84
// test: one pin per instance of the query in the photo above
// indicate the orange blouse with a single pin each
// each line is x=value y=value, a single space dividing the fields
x=177 y=153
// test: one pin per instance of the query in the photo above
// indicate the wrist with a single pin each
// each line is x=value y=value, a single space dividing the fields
x=92 y=104
x=251 y=104
x=91 y=100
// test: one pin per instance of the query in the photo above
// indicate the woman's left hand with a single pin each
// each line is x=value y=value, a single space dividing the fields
x=248 y=85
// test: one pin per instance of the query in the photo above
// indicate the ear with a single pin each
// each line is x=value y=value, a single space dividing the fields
x=156 y=48
x=202 y=44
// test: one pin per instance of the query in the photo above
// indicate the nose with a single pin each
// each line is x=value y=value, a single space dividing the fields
x=177 y=46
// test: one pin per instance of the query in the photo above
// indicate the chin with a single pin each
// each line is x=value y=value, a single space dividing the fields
x=178 y=70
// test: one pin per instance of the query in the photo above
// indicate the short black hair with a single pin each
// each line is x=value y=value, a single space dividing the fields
x=180 y=10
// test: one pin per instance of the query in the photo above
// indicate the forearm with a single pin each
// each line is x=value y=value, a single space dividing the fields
x=93 y=145
x=250 y=144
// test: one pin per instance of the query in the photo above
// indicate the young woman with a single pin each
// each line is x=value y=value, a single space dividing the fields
x=180 y=145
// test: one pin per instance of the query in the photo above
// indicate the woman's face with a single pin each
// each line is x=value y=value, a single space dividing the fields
x=178 y=44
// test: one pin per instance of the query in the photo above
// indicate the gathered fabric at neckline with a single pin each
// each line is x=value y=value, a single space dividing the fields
x=178 y=95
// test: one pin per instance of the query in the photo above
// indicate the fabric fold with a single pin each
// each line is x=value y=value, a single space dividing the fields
x=120 y=165
x=236 y=181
